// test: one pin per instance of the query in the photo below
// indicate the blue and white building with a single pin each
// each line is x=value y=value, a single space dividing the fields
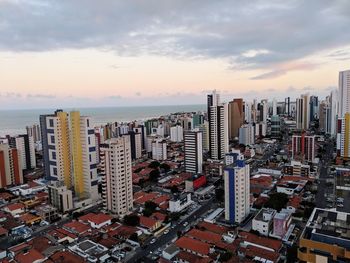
x=237 y=190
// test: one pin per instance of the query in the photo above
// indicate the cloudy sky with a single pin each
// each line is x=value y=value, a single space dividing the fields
x=80 y=53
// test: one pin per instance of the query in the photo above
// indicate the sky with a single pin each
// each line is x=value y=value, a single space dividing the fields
x=83 y=53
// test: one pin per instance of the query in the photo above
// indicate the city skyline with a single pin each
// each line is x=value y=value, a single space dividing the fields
x=127 y=54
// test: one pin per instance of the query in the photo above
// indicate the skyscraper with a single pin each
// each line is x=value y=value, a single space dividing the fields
x=303 y=112
x=193 y=151
x=10 y=166
x=176 y=133
x=237 y=190
x=26 y=150
x=303 y=147
x=34 y=131
x=246 y=134
x=218 y=126
x=314 y=108
x=344 y=93
x=343 y=136
x=136 y=145
x=235 y=117
x=69 y=152
x=83 y=149
x=117 y=175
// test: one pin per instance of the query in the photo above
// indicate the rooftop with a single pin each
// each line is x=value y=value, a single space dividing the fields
x=96 y=218
x=193 y=245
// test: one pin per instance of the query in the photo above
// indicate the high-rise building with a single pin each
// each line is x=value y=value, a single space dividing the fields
x=193 y=151
x=303 y=147
x=344 y=93
x=247 y=108
x=303 y=112
x=287 y=106
x=10 y=166
x=343 y=136
x=275 y=126
x=334 y=104
x=260 y=129
x=314 y=108
x=325 y=116
x=142 y=130
x=34 y=131
x=136 y=145
x=176 y=133
x=69 y=152
x=246 y=134
x=60 y=197
x=83 y=149
x=56 y=147
x=274 y=107
x=235 y=117
x=197 y=119
x=159 y=150
x=218 y=127
x=237 y=190
x=26 y=150
x=204 y=128
x=117 y=175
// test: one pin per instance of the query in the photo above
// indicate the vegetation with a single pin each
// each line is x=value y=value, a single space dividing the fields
x=132 y=220
x=174 y=189
x=154 y=175
x=154 y=164
x=165 y=167
x=277 y=201
x=150 y=207
x=225 y=256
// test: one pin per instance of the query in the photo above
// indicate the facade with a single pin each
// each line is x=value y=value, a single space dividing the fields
x=34 y=131
x=237 y=190
x=296 y=168
x=26 y=150
x=344 y=93
x=116 y=175
x=176 y=133
x=180 y=203
x=69 y=152
x=204 y=128
x=303 y=147
x=83 y=149
x=281 y=222
x=235 y=117
x=218 y=127
x=343 y=136
x=246 y=134
x=275 y=126
x=325 y=237
x=136 y=145
x=10 y=166
x=159 y=150
x=260 y=129
x=263 y=221
x=193 y=152
x=303 y=112
x=314 y=107
x=60 y=197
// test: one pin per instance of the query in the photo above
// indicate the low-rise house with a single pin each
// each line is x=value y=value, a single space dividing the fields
x=96 y=220
x=15 y=209
x=149 y=223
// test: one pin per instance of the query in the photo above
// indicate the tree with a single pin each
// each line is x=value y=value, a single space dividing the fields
x=277 y=201
x=225 y=256
x=151 y=206
x=165 y=167
x=134 y=237
x=154 y=174
x=132 y=220
x=154 y=164
x=174 y=189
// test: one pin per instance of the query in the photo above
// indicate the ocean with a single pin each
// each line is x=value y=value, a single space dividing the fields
x=13 y=122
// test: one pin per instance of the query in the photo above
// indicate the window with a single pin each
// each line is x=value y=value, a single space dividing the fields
x=89 y=142
x=54 y=155
x=52 y=138
x=51 y=123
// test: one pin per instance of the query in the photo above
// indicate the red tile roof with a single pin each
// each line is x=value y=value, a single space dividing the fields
x=161 y=199
x=252 y=251
x=262 y=241
x=147 y=222
x=61 y=233
x=3 y=231
x=29 y=257
x=77 y=227
x=213 y=228
x=205 y=236
x=189 y=257
x=159 y=216
x=193 y=245
x=40 y=243
x=96 y=218
x=66 y=257
x=15 y=206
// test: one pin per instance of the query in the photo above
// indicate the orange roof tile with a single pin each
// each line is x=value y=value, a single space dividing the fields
x=193 y=245
x=29 y=257
x=262 y=241
x=205 y=236
x=213 y=228
x=96 y=218
x=147 y=222
x=77 y=227
x=15 y=206
x=66 y=257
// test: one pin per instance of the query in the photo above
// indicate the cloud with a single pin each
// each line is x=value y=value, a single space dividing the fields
x=138 y=94
x=40 y=96
x=248 y=34
x=114 y=97
x=284 y=69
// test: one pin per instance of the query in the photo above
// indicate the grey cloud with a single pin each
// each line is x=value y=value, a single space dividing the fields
x=288 y=30
x=9 y=95
x=114 y=97
x=41 y=96
x=269 y=75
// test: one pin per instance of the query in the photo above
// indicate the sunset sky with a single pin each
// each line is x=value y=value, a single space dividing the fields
x=83 y=53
